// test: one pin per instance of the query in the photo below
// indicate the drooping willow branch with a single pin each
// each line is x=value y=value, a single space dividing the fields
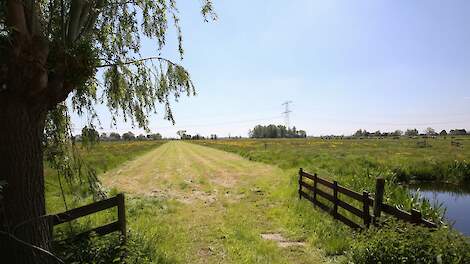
x=137 y=61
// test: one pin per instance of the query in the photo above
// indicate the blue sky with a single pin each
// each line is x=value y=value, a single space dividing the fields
x=377 y=65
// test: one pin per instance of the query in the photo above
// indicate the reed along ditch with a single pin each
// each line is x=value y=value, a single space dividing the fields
x=454 y=199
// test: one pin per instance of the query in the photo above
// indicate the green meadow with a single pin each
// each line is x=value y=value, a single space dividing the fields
x=235 y=201
x=407 y=158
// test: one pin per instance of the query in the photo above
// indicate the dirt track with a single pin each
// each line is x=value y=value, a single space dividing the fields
x=217 y=193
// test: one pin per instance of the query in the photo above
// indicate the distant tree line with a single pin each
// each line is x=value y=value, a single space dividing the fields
x=409 y=133
x=91 y=135
x=279 y=131
x=184 y=136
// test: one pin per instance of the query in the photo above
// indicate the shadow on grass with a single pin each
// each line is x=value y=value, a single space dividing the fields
x=109 y=249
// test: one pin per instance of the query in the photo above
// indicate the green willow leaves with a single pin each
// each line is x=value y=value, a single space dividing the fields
x=94 y=57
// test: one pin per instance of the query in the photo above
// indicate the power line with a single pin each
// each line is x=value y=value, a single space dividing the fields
x=224 y=114
x=286 y=113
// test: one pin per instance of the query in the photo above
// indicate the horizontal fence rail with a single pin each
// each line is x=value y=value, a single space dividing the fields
x=311 y=187
x=118 y=225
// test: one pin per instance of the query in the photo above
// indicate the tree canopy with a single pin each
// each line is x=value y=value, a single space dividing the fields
x=273 y=131
x=78 y=37
x=73 y=39
x=411 y=132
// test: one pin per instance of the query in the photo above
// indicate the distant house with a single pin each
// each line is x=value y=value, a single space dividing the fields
x=128 y=136
x=114 y=136
x=458 y=132
x=104 y=137
x=443 y=133
x=141 y=137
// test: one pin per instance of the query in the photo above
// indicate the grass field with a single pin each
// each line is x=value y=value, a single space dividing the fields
x=404 y=157
x=356 y=163
x=188 y=203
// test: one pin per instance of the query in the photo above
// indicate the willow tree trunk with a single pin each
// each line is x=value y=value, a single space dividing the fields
x=21 y=166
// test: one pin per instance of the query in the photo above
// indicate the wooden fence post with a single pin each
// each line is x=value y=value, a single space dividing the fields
x=365 y=208
x=415 y=216
x=315 y=187
x=379 y=197
x=300 y=183
x=122 y=215
x=335 y=199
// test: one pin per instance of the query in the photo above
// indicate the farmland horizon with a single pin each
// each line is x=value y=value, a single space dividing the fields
x=137 y=132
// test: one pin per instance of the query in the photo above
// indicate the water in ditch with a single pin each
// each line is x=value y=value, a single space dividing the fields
x=455 y=199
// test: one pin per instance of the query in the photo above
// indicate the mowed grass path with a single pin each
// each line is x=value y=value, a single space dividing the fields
x=201 y=205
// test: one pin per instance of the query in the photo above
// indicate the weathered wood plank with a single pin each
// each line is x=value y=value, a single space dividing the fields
x=84 y=210
x=350 y=208
x=307 y=186
x=318 y=179
x=315 y=202
x=398 y=213
x=121 y=214
x=325 y=195
x=365 y=209
x=347 y=221
x=379 y=195
x=428 y=223
x=335 y=199
x=102 y=230
x=325 y=182
x=322 y=206
x=315 y=185
x=308 y=175
x=408 y=217
x=306 y=196
x=355 y=195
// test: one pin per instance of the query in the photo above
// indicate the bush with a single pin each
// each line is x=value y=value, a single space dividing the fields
x=398 y=242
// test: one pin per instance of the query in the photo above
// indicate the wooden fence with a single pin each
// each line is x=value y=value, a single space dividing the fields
x=311 y=187
x=118 y=225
